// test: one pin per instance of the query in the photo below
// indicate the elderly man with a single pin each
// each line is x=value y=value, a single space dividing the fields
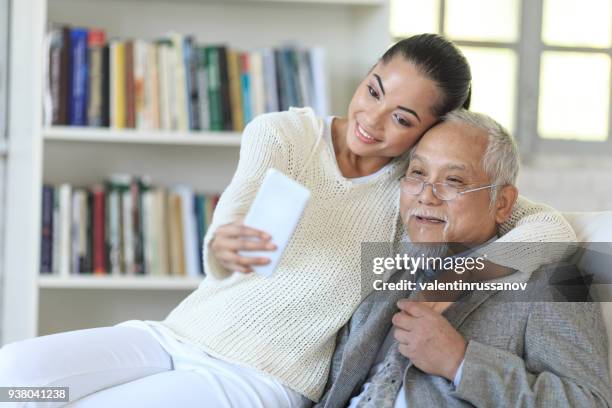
x=488 y=349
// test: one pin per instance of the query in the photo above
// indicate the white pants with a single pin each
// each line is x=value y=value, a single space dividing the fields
x=126 y=366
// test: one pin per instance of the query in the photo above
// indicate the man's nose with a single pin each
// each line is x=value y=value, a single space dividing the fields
x=427 y=196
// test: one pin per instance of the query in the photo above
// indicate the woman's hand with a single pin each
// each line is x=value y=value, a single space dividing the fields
x=230 y=238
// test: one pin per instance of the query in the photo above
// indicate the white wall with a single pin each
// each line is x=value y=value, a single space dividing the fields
x=569 y=184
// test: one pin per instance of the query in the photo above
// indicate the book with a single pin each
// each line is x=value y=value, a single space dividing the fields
x=79 y=75
x=55 y=232
x=215 y=101
x=176 y=236
x=164 y=51
x=151 y=115
x=57 y=71
x=118 y=98
x=106 y=87
x=245 y=85
x=202 y=79
x=189 y=230
x=139 y=72
x=99 y=230
x=46 y=250
x=226 y=104
x=127 y=233
x=258 y=90
x=65 y=230
x=95 y=49
x=178 y=68
x=269 y=78
x=193 y=99
x=234 y=77
x=130 y=87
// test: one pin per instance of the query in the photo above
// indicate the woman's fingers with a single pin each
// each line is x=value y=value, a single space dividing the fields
x=239 y=230
x=244 y=264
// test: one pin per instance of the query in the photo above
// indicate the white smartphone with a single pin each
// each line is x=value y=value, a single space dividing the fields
x=277 y=209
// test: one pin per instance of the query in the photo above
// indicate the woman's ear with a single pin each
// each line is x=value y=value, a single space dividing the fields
x=506 y=197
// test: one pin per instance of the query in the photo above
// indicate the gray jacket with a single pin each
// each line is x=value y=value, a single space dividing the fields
x=520 y=353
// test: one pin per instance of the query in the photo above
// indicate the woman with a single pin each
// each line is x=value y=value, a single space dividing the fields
x=245 y=340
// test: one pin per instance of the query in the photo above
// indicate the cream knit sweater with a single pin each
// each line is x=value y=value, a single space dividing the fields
x=285 y=325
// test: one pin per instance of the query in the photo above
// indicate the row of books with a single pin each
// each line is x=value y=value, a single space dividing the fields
x=173 y=83
x=124 y=226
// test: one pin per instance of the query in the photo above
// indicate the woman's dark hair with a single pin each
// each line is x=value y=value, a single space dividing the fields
x=441 y=61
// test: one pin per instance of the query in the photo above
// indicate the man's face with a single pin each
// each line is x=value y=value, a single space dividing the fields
x=449 y=153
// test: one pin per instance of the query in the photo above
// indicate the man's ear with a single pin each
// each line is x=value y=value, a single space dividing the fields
x=506 y=197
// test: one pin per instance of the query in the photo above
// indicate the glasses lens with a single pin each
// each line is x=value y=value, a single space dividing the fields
x=446 y=192
x=412 y=185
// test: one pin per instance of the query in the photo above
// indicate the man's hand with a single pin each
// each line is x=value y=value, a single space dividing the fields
x=428 y=339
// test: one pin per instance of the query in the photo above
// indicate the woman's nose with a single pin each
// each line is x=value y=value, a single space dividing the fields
x=374 y=118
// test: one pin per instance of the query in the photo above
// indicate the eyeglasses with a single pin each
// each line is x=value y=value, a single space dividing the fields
x=442 y=191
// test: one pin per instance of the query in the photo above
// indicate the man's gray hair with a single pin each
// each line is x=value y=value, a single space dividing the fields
x=501 y=159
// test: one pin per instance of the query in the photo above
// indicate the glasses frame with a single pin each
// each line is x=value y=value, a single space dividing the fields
x=435 y=191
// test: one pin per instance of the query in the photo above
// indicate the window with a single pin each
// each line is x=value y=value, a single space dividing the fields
x=542 y=68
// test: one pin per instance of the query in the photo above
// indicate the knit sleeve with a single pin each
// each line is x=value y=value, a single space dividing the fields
x=262 y=147
x=534 y=235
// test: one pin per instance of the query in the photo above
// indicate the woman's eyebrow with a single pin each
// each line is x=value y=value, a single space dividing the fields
x=382 y=89
x=409 y=111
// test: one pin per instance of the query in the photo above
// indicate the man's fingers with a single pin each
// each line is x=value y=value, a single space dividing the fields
x=402 y=336
x=416 y=309
x=404 y=321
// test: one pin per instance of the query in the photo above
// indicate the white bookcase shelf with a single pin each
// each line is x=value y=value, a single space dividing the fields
x=104 y=135
x=353 y=33
x=118 y=282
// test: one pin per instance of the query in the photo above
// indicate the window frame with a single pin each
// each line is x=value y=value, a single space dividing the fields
x=529 y=49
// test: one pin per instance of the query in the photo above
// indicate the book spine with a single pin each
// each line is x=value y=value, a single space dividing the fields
x=258 y=97
x=140 y=62
x=46 y=258
x=130 y=87
x=78 y=96
x=164 y=85
x=226 y=103
x=201 y=227
x=89 y=233
x=214 y=89
x=95 y=42
x=233 y=69
x=136 y=196
x=118 y=86
x=99 y=233
x=53 y=68
x=178 y=68
x=281 y=82
x=106 y=86
x=65 y=192
x=245 y=82
x=202 y=78
x=270 y=84
x=191 y=66
x=65 y=85
x=127 y=232
x=151 y=93
x=56 y=234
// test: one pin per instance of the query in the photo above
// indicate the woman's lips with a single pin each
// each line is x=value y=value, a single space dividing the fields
x=364 y=136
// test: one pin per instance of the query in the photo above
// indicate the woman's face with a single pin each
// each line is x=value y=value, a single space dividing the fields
x=390 y=110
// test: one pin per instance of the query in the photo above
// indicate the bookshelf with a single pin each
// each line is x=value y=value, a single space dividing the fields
x=353 y=32
x=130 y=136
x=119 y=282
